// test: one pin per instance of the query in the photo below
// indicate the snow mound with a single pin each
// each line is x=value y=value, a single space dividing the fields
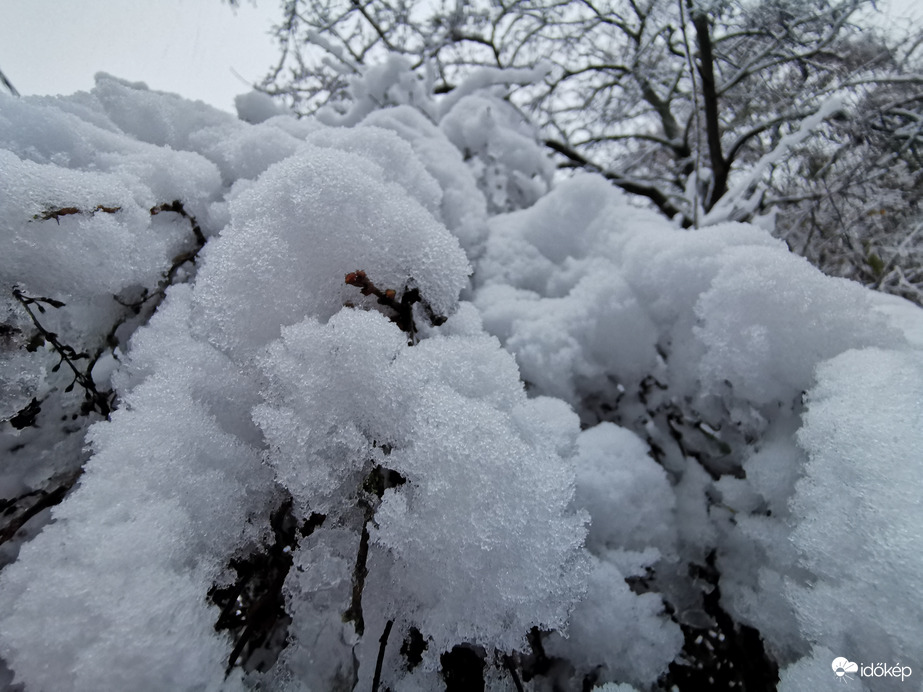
x=307 y=222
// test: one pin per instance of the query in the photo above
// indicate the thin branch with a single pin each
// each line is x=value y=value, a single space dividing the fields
x=8 y=84
x=360 y=572
x=383 y=643
x=697 y=165
x=735 y=148
x=46 y=499
x=100 y=401
x=403 y=308
x=511 y=667
x=177 y=208
x=680 y=148
x=458 y=37
x=384 y=39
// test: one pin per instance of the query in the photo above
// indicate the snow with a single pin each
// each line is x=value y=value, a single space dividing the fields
x=255 y=107
x=593 y=296
x=764 y=306
x=306 y=223
x=123 y=241
x=81 y=136
x=624 y=490
x=463 y=208
x=863 y=428
x=524 y=408
x=154 y=497
x=501 y=148
x=391 y=153
x=480 y=470
x=373 y=87
x=645 y=644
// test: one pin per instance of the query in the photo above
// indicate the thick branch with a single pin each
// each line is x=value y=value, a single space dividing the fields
x=719 y=164
x=670 y=126
x=657 y=197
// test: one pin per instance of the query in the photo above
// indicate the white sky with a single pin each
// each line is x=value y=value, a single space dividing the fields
x=188 y=47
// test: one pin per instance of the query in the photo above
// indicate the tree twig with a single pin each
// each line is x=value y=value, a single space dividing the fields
x=660 y=200
x=382 y=644
x=98 y=400
x=45 y=500
x=8 y=84
x=360 y=572
x=511 y=667
x=403 y=307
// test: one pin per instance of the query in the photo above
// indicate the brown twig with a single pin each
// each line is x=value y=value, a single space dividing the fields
x=178 y=261
x=511 y=667
x=402 y=308
x=255 y=605
x=360 y=572
x=177 y=208
x=56 y=214
x=376 y=483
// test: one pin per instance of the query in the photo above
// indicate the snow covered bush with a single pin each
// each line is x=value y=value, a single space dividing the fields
x=428 y=491
x=365 y=402
x=706 y=344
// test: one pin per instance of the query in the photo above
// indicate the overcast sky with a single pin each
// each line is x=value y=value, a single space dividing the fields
x=190 y=47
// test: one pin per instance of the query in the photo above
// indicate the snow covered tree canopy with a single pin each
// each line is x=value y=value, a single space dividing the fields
x=369 y=401
x=697 y=107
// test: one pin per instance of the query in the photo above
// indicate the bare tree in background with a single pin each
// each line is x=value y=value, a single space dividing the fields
x=708 y=110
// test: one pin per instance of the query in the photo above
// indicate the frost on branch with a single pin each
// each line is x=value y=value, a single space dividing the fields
x=77 y=232
x=501 y=148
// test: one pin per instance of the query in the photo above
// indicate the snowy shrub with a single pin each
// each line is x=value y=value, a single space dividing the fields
x=364 y=402
x=499 y=145
x=406 y=450
x=705 y=344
